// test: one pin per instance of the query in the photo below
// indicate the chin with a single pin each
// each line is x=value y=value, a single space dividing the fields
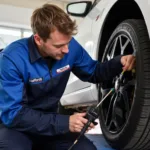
x=59 y=58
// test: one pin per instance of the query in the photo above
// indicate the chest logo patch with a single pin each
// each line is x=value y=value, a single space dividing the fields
x=63 y=69
x=35 y=80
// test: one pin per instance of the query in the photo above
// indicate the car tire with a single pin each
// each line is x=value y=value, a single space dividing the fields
x=135 y=133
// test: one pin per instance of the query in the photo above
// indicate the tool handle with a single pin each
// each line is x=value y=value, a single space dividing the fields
x=89 y=118
x=92 y=114
x=84 y=129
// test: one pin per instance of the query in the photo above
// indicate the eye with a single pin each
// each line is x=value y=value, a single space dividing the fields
x=58 y=46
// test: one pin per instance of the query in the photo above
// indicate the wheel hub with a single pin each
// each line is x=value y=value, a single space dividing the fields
x=117 y=84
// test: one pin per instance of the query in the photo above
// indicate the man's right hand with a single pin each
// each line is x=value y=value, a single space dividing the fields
x=77 y=122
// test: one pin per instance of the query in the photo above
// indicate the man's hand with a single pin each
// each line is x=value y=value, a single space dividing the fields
x=77 y=122
x=128 y=62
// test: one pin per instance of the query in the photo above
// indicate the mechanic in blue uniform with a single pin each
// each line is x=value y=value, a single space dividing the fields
x=33 y=75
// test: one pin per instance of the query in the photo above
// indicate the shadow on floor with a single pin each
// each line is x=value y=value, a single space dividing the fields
x=99 y=141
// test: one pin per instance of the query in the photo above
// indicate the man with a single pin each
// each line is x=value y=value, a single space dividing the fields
x=33 y=75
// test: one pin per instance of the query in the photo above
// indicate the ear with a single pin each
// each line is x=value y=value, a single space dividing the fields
x=38 y=40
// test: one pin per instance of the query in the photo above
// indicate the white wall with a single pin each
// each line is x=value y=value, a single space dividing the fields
x=31 y=3
x=16 y=15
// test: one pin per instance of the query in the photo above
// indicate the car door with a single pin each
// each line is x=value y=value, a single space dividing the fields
x=84 y=38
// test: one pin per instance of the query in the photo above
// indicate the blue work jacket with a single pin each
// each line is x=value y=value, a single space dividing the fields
x=31 y=86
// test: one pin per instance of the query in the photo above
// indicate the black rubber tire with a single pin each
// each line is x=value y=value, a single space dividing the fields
x=136 y=133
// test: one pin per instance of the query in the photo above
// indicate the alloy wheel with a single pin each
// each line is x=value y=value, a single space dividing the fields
x=116 y=108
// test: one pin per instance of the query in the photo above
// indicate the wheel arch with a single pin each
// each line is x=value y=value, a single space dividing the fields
x=118 y=13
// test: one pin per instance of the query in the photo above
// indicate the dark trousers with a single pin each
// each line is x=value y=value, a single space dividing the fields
x=13 y=140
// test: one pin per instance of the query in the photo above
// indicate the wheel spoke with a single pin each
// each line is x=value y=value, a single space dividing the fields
x=109 y=112
x=112 y=114
x=109 y=126
x=114 y=48
x=113 y=107
x=126 y=102
x=120 y=40
x=108 y=57
x=116 y=124
x=123 y=46
x=119 y=114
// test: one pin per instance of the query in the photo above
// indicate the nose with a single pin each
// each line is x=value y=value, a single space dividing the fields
x=65 y=49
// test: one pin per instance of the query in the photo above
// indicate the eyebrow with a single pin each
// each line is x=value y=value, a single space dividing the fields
x=61 y=44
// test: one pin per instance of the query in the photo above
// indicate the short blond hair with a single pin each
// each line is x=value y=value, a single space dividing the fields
x=49 y=17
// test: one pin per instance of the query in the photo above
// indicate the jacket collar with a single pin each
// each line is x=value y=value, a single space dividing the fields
x=33 y=50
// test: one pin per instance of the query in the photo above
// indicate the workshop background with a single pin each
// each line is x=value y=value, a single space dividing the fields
x=18 y=15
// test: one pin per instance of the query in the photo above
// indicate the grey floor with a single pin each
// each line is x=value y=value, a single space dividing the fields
x=96 y=136
x=99 y=141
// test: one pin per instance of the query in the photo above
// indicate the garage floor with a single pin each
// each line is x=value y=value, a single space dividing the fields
x=96 y=136
x=99 y=141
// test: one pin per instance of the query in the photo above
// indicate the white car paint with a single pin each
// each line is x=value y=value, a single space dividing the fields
x=145 y=9
x=85 y=39
x=89 y=32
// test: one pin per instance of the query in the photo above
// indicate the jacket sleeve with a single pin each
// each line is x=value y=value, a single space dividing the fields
x=23 y=118
x=93 y=71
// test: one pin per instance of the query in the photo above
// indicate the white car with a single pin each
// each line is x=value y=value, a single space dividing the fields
x=111 y=28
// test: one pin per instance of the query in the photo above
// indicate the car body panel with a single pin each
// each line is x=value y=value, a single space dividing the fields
x=144 y=6
x=79 y=97
x=74 y=84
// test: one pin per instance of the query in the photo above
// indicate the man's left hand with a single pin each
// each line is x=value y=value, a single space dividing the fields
x=128 y=62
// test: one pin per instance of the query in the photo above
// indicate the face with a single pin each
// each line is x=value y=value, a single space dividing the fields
x=56 y=46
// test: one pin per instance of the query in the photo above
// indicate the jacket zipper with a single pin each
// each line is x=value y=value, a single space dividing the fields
x=50 y=71
x=50 y=64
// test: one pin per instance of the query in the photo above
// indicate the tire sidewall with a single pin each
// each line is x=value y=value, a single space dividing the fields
x=127 y=132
